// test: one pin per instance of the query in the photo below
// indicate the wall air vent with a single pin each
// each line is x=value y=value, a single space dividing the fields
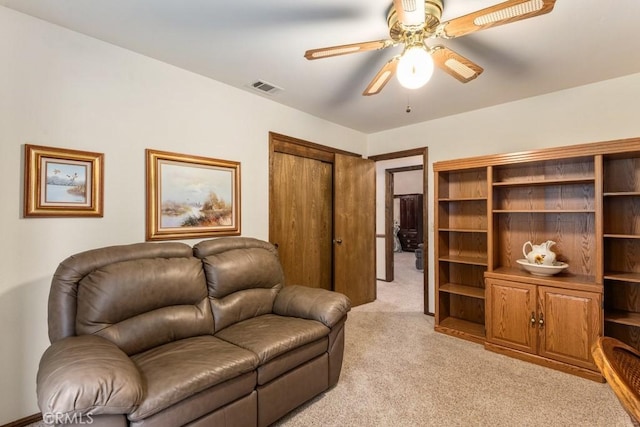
x=264 y=87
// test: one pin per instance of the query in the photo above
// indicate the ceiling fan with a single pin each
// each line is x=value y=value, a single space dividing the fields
x=412 y=22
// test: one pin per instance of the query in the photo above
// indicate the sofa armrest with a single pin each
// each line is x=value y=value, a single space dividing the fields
x=87 y=375
x=312 y=303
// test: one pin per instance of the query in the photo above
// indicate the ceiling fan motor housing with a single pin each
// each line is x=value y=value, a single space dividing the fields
x=433 y=12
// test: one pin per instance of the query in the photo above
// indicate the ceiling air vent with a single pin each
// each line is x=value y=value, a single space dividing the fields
x=264 y=87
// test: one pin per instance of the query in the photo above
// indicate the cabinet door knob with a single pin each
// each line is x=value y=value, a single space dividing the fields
x=533 y=319
x=337 y=241
x=541 y=321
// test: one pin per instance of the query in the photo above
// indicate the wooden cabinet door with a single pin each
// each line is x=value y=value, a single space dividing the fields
x=572 y=323
x=354 y=209
x=410 y=234
x=300 y=220
x=509 y=312
x=408 y=209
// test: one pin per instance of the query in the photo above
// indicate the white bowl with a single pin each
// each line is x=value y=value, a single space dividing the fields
x=542 y=270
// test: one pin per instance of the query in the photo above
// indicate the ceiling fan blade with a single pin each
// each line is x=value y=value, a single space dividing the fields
x=503 y=13
x=345 y=49
x=455 y=64
x=410 y=12
x=383 y=77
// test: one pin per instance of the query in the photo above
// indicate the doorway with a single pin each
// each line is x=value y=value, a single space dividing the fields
x=387 y=165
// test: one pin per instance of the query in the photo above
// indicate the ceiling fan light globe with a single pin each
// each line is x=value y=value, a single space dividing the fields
x=415 y=67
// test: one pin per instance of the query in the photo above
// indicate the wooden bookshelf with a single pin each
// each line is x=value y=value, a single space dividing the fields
x=586 y=198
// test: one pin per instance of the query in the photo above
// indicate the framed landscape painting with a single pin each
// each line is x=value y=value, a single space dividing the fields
x=60 y=182
x=191 y=196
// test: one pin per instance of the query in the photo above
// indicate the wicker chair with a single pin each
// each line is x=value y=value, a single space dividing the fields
x=620 y=365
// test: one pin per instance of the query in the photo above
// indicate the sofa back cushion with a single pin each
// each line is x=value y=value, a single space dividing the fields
x=243 y=275
x=137 y=296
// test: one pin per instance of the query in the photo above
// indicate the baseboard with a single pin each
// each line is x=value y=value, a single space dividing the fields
x=24 y=422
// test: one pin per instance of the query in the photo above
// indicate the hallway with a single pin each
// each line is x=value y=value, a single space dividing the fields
x=405 y=293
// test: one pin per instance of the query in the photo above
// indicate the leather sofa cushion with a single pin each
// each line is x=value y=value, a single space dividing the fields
x=240 y=269
x=143 y=303
x=243 y=278
x=210 y=401
x=180 y=369
x=290 y=360
x=64 y=286
x=242 y=305
x=271 y=335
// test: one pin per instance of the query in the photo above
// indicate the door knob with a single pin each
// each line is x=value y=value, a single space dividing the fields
x=337 y=241
x=541 y=321
x=533 y=319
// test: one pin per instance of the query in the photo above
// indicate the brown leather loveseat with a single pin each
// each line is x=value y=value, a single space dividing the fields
x=163 y=334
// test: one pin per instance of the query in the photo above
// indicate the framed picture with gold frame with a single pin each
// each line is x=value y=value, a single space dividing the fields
x=191 y=196
x=59 y=182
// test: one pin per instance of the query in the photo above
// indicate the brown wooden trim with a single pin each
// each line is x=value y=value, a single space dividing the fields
x=397 y=196
x=24 y=422
x=598 y=163
x=424 y=152
x=436 y=249
x=392 y=196
x=388 y=227
x=389 y=205
x=381 y=236
x=590 y=149
x=301 y=151
x=425 y=230
x=399 y=154
x=287 y=144
x=406 y=169
x=492 y=229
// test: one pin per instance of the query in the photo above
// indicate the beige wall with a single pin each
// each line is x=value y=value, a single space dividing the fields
x=409 y=182
x=59 y=88
x=598 y=112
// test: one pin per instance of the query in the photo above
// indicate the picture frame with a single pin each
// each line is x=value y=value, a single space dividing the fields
x=60 y=182
x=191 y=196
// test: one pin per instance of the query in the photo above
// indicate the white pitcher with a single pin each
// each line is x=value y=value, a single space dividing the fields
x=540 y=254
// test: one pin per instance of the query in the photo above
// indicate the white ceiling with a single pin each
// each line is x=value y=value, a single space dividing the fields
x=241 y=41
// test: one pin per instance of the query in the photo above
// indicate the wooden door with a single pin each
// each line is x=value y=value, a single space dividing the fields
x=300 y=218
x=511 y=315
x=571 y=325
x=354 y=228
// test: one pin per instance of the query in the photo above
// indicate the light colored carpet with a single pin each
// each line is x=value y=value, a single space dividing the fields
x=398 y=372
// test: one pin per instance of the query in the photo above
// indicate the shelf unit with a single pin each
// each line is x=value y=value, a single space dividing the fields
x=586 y=198
x=461 y=218
x=621 y=207
x=542 y=200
